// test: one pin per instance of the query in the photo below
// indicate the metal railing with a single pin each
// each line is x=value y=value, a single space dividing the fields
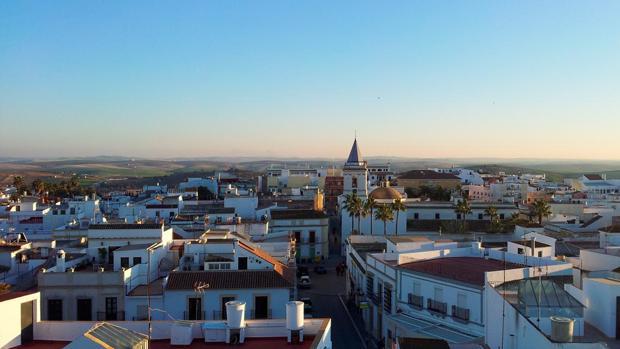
x=460 y=313
x=111 y=316
x=219 y=315
x=200 y=315
x=436 y=306
x=416 y=301
x=261 y=315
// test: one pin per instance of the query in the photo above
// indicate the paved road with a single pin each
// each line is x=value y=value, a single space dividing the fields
x=324 y=295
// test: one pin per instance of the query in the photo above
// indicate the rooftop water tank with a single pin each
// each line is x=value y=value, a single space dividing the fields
x=235 y=314
x=294 y=315
x=562 y=329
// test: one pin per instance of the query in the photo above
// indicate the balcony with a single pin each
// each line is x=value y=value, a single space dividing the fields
x=461 y=314
x=260 y=314
x=110 y=316
x=436 y=306
x=200 y=315
x=416 y=301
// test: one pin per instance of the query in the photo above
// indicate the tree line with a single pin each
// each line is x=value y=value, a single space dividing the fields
x=39 y=187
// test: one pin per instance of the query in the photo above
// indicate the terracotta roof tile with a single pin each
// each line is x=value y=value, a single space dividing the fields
x=233 y=279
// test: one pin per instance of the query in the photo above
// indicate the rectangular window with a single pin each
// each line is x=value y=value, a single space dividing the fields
x=312 y=237
x=137 y=260
x=84 y=310
x=540 y=254
x=124 y=262
x=54 y=309
x=437 y=216
x=416 y=216
x=297 y=237
x=501 y=216
x=111 y=308
x=438 y=294
x=354 y=182
x=519 y=250
x=480 y=216
x=194 y=309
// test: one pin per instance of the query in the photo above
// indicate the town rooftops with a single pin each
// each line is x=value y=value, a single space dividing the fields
x=297 y=214
x=125 y=226
x=469 y=270
x=230 y=279
x=426 y=174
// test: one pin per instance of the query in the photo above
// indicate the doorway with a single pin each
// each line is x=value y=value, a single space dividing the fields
x=242 y=263
x=84 y=310
x=194 y=309
x=27 y=334
x=261 y=307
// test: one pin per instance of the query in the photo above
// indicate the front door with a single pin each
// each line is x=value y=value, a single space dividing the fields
x=194 y=309
x=26 y=322
x=261 y=307
x=84 y=310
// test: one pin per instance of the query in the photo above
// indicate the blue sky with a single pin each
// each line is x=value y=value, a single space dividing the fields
x=297 y=78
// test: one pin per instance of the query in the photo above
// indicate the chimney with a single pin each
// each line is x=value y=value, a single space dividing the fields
x=295 y=322
x=60 y=261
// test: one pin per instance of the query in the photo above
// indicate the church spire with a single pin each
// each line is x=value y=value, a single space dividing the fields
x=355 y=156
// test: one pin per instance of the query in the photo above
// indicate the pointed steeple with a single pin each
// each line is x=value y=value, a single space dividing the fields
x=355 y=156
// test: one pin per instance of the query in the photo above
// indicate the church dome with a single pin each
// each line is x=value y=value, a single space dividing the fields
x=385 y=193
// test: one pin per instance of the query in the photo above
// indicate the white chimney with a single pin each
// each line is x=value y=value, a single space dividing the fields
x=60 y=262
x=235 y=322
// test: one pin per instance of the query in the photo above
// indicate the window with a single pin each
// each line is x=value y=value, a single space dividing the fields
x=63 y=212
x=437 y=216
x=519 y=250
x=242 y=263
x=458 y=216
x=297 y=237
x=416 y=216
x=501 y=216
x=214 y=266
x=124 y=262
x=54 y=309
x=480 y=216
x=354 y=182
x=137 y=260
x=194 y=309
x=72 y=210
x=84 y=310
x=111 y=308
x=438 y=294
x=539 y=253
x=225 y=266
x=312 y=237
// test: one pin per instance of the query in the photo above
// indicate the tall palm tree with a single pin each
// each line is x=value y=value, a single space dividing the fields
x=541 y=209
x=491 y=211
x=398 y=206
x=384 y=213
x=370 y=206
x=463 y=208
x=352 y=204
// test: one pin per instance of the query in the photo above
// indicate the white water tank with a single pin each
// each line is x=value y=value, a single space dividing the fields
x=562 y=329
x=235 y=314
x=294 y=315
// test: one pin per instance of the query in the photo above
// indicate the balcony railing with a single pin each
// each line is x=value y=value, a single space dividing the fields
x=436 y=306
x=110 y=316
x=460 y=313
x=261 y=315
x=219 y=315
x=194 y=315
x=416 y=301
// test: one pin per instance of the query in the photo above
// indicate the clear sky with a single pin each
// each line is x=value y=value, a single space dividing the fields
x=297 y=78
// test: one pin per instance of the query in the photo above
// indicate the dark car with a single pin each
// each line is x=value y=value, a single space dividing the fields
x=319 y=269
x=302 y=271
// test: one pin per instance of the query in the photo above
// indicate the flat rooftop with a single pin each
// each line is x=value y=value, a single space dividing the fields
x=469 y=270
x=250 y=343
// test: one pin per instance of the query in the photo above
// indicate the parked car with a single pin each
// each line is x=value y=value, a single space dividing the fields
x=319 y=269
x=301 y=271
x=304 y=282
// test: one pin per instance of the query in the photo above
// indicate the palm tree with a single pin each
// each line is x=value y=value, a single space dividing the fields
x=369 y=207
x=398 y=206
x=491 y=211
x=384 y=213
x=463 y=208
x=352 y=204
x=38 y=186
x=18 y=181
x=541 y=209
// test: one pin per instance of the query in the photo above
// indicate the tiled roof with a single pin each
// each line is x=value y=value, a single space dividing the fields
x=593 y=177
x=32 y=220
x=469 y=270
x=125 y=226
x=528 y=243
x=231 y=279
x=162 y=206
x=426 y=174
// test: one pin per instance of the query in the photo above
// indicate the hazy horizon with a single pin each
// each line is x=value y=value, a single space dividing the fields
x=422 y=80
